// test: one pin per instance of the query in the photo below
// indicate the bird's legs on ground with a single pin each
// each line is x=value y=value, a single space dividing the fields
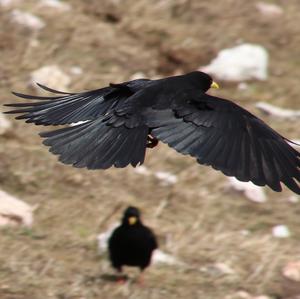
x=151 y=141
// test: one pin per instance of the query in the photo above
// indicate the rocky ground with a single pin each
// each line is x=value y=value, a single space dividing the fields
x=225 y=242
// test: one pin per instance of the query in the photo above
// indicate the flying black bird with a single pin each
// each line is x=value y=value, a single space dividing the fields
x=122 y=120
x=131 y=243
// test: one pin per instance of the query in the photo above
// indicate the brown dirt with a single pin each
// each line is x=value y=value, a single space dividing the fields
x=201 y=222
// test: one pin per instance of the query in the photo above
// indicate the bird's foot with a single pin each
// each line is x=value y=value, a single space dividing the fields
x=151 y=141
x=121 y=280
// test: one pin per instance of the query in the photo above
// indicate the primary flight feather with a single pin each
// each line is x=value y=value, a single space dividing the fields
x=122 y=120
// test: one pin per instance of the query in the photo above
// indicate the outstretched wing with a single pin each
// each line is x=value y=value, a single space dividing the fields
x=67 y=108
x=98 y=144
x=105 y=139
x=219 y=133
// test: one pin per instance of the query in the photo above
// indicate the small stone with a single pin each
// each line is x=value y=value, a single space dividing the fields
x=56 y=4
x=76 y=70
x=281 y=231
x=27 y=20
x=292 y=271
x=243 y=86
x=241 y=63
x=269 y=10
x=160 y=257
x=218 y=269
x=293 y=199
x=166 y=178
x=142 y=170
x=51 y=76
x=5 y=124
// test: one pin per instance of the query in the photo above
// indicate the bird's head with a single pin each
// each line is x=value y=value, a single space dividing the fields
x=131 y=216
x=203 y=80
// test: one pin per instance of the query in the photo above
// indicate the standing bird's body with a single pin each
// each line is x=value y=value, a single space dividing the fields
x=131 y=243
x=175 y=110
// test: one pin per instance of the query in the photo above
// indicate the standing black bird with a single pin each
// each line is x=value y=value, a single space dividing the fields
x=131 y=243
x=122 y=120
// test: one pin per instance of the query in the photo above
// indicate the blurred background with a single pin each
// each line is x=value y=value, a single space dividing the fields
x=225 y=243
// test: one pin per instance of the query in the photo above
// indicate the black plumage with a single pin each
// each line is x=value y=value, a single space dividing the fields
x=122 y=120
x=131 y=243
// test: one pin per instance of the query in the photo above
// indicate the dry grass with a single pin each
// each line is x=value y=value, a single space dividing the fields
x=197 y=219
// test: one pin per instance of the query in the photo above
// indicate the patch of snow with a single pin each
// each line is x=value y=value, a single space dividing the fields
x=240 y=63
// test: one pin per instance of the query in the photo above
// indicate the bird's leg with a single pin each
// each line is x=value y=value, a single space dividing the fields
x=140 y=279
x=151 y=141
x=120 y=277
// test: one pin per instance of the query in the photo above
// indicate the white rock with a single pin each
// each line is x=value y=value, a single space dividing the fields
x=244 y=62
x=56 y=4
x=245 y=295
x=293 y=199
x=13 y=211
x=218 y=269
x=243 y=86
x=142 y=170
x=27 y=20
x=76 y=70
x=166 y=178
x=251 y=191
x=268 y=9
x=281 y=231
x=292 y=271
x=160 y=257
x=277 y=112
x=5 y=124
x=51 y=76
x=103 y=238
x=8 y=3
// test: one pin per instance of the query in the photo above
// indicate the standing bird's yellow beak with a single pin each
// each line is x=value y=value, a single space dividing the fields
x=132 y=220
x=214 y=85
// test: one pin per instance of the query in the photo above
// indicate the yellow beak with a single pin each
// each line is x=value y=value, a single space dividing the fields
x=132 y=220
x=214 y=85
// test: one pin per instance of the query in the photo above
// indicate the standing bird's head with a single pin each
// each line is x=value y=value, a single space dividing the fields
x=131 y=216
x=202 y=80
